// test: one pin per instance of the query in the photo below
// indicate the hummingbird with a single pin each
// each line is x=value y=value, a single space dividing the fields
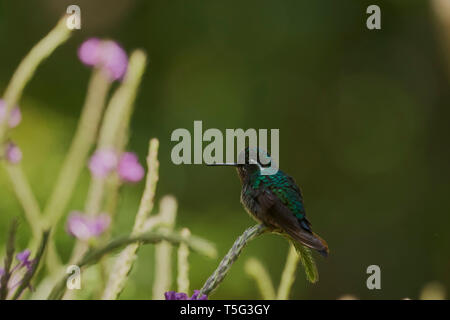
x=275 y=200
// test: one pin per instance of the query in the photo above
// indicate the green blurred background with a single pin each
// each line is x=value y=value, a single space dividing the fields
x=363 y=118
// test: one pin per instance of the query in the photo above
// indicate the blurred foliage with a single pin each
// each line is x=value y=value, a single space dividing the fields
x=363 y=118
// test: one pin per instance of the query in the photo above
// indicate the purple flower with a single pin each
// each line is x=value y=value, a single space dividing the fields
x=90 y=52
x=23 y=258
x=114 y=59
x=17 y=273
x=173 y=295
x=13 y=153
x=129 y=168
x=102 y=163
x=15 y=116
x=85 y=227
x=107 y=55
x=195 y=296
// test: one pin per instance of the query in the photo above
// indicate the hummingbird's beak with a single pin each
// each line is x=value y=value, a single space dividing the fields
x=223 y=164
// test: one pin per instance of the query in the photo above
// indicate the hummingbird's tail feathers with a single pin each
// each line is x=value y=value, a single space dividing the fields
x=307 y=260
x=325 y=251
x=282 y=218
x=309 y=239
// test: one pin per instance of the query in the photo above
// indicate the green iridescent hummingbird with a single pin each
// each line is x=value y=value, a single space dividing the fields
x=275 y=200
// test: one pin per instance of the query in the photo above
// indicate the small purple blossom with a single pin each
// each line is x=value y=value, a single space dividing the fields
x=195 y=296
x=102 y=163
x=13 y=153
x=85 y=227
x=173 y=295
x=129 y=168
x=15 y=116
x=90 y=52
x=105 y=54
x=23 y=257
x=16 y=274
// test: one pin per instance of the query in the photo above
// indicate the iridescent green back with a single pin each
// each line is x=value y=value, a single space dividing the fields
x=285 y=188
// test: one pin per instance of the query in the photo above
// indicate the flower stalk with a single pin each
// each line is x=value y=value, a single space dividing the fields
x=195 y=244
x=26 y=197
x=12 y=95
x=163 y=250
x=25 y=283
x=288 y=275
x=28 y=66
x=10 y=248
x=256 y=270
x=183 y=263
x=225 y=265
x=125 y=260
x=114 y=121
x=82 y=142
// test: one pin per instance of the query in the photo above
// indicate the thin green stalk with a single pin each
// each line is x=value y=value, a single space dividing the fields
x=25 y=283
x=288 y=275
x=125 y=260
x=24 y=72
x=28 y=66
x=26 y=197
x=30 y=205
x=183 y=264
x=117 y=117
x=256 y=270
x=82 y=143
x=10 y=248
x=441 y=9
x=75 y=160
x=163 y=250
x=195 y=244
x=119 y=111
x=225 y=265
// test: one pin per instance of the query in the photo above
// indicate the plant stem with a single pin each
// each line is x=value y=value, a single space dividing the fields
x=90 y=257
x=183 y=264
x=288 y=275
x=24 y=72
x=225 y=265
x=26 y=198
x=116 y=117
x=120 y=107
x=10 y=248
x=82 y=142
x=125 y=261
x=25 y=283
x=163 y=250
x=75 y=160
x=28 y=66
x=256 y=270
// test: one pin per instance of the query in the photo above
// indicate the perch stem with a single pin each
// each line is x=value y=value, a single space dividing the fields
x=90 y=257
x=225 y=265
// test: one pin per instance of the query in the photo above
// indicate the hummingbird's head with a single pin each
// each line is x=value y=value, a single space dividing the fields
x=251 y=161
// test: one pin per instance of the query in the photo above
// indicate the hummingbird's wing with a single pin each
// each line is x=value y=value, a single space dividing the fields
x=283 y=203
